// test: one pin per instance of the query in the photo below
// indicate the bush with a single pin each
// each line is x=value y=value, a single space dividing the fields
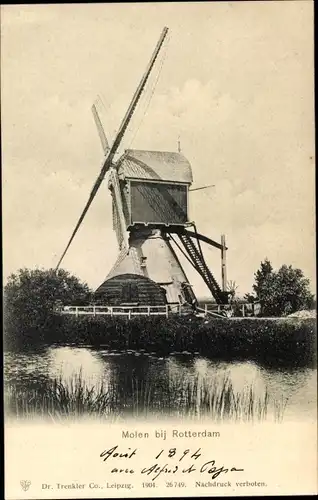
x=30 y=297
x=274 y=342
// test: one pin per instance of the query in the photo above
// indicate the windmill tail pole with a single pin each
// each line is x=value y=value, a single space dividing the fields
x=223 y=264
x=118 y=139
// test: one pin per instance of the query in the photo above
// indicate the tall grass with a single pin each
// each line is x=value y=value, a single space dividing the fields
x=58 y=400
x=216 y=400
x=220 y=401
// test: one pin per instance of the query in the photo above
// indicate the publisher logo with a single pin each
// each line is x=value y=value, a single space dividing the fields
x=25 y=484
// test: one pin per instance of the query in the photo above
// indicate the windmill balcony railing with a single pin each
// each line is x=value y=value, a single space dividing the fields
x=242 y=309
x=130 y=311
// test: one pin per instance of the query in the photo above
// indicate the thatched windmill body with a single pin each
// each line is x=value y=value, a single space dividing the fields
x=150 y=194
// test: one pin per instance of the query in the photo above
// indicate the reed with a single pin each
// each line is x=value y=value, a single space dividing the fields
x=216 y=400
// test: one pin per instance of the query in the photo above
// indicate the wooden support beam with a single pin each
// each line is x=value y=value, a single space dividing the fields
x=201 y=237
x=223 y=263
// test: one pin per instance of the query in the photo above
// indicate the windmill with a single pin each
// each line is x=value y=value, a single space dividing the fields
x=150 y=193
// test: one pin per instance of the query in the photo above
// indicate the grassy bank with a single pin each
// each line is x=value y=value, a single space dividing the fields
x=270 y=341
x=217 y=400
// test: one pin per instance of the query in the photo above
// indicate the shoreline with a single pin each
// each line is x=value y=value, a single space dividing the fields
x=268 y=341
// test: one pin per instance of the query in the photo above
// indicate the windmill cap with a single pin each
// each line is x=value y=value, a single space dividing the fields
x=155 y=165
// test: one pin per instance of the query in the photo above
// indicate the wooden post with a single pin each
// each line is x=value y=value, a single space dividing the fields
x=76 y=311
x=205 y=309
x=223 y=263
x=111 y=311
x=148 y=310
x=167 y=311
x=94 y=310
x=129 y=314
x=243 y=310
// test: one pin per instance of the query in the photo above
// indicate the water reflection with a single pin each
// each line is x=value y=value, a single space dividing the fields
x=298 y=386
x=137 y=382
x=67 y=362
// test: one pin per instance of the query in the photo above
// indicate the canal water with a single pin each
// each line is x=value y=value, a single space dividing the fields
x=135 y=383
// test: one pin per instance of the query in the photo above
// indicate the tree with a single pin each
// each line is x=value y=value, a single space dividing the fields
x=281 y=292
x=262 y=275
x=30 y=297
x=260 y=278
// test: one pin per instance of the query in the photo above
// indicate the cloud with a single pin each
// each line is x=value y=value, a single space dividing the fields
x=19 y=16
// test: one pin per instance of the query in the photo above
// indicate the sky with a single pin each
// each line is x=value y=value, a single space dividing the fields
x=236 y=86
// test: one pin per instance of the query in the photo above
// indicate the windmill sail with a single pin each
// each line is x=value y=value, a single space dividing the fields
x=100 y=129
x=124 y=124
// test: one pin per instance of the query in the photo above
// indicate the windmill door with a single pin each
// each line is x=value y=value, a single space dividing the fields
x=129 y=293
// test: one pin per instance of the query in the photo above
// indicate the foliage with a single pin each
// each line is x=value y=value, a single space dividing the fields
x=250 y=298
x=272 y=342
x=232 y=288
x=30 y=320
x=261 y=276
x=31 y=295
x=281 y=292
